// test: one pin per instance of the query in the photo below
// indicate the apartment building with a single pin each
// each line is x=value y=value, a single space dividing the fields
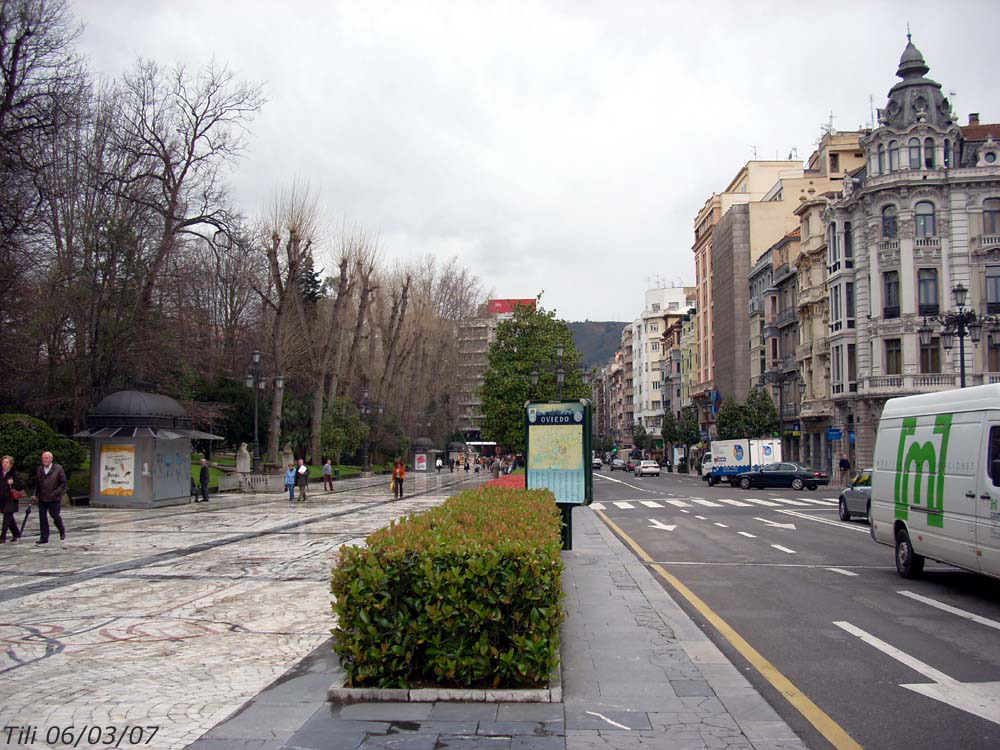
x=913 y=233
x=474 y=339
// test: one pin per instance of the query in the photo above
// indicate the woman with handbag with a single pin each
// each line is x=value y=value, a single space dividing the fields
x=11 y=491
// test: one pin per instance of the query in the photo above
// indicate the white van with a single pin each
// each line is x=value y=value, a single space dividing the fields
x=936 y=480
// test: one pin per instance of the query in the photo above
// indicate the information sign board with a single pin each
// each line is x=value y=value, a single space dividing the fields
x=558 y=449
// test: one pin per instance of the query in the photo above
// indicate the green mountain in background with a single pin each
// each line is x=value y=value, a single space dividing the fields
x=596 y=340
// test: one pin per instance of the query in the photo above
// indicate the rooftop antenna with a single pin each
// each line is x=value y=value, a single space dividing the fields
x=871 y=111
x=754 y=149
x=909 y=38
x=793 y=154
x=827 y=127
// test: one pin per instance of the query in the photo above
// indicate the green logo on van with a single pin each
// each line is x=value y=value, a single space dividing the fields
x=920 y=459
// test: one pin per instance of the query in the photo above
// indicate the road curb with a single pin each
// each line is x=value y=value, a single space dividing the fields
x=337 y=693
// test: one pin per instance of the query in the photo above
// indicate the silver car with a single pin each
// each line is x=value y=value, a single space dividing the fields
x=647 y=468
x=856 y=499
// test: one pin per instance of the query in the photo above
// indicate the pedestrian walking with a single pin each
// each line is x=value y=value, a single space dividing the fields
x=290 y=482
x=439 y=464
x=302 y=479
x=466 y=466
x=50 y=486
x=398 y=475
x=327 y=476
x=451 y=465
x=203 y=480
x=495 y=469
x=11 y=492
x=845 y=469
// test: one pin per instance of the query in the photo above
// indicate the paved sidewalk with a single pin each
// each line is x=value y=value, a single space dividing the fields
x=637 y=673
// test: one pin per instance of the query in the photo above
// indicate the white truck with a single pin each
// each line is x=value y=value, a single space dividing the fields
x=727 y=458
x=936 y=480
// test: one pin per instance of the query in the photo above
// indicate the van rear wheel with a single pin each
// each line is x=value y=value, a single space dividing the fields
x=908 y=563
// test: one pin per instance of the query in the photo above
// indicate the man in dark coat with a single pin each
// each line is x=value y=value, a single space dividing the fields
x=203 y=481
x=10 y=484
x=302 y=479
x=50 y=486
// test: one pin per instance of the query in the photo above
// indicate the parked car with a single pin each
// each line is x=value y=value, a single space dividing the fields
x=597 y=463
x=647 y=468
x=856 y=499
x=784 y=474
x=618 y=464
x=631 y=463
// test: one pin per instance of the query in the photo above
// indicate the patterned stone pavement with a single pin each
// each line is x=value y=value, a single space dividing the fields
x=174 y=618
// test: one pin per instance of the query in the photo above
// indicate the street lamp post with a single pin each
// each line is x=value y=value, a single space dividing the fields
x=960 y=322
x=256 y=380
x=779 y=378
x=560 y=373
x=367 y=408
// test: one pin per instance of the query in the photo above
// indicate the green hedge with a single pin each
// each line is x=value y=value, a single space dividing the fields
x=25 y=438
x=466 y=594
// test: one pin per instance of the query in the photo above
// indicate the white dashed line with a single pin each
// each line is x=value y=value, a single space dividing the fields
x=721 y=525
x=953 y=610
x=737 y=503
x=789 y=501
x=706 y=503
x=623 y=505
x=651 y=503
x=702 y=518
x=843 y=572
x=747 y=534
x=758 y=501
x=679 y=503
x=597 y=506
x=783 y=549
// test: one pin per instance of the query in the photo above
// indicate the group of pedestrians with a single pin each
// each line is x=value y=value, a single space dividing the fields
x=298 y=477
x=50 y=486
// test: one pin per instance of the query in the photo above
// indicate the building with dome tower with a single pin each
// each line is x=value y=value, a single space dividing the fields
x=921 y=218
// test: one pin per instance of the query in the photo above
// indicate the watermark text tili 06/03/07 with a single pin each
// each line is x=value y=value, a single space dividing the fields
x=87 y=735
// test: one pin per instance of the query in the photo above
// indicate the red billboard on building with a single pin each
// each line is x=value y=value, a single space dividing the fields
x=506 y=306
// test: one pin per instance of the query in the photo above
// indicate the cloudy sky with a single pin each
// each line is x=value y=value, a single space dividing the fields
x=556 y=146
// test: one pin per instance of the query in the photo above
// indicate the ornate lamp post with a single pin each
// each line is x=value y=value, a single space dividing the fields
x=960 y=322
x=367 y=408
x=779 y=378
x=258 y=382
x=560 y=373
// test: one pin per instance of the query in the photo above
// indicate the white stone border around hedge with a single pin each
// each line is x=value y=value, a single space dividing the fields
x=337 y=693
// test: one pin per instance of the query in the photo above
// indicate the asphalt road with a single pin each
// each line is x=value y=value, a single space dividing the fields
x=823 y=603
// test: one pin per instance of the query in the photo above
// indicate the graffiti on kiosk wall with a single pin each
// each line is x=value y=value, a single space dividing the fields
x=171 y=466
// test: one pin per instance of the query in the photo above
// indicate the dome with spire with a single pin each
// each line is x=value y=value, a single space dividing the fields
x=916 y=98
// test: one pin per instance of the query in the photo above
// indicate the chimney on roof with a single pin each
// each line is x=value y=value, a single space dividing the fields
x=973 y=118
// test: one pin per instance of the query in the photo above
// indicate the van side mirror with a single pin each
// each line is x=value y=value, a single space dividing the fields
x=995 y=471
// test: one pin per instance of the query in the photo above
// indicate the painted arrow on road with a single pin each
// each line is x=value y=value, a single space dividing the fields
x=775 y=524
x=658 y=525
x=981 y=699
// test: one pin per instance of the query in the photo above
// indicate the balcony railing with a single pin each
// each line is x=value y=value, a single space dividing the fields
x=787 y=316
x=922 y=382
x=927 y=242
x=932 y=308
x=756 y=305
x=888 y=245
x=890 y=312
x=989 y=240
x=788 y=363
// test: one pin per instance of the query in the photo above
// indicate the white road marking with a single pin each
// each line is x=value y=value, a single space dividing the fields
x=775 y=524
x=819 y=501
x=619 y=481
x=612 y=723
x=659 y=525
x=651 y=503
x=783 y=549
x=843 y=572
x=597 y=506
x=685 y=511
x=789 y=501
x=721 y=525
x=701 y=518
x=737 y=503
x=807 y=517
x=953 y=610
x=623 y=505
x=706 y=503
x=679 y=503
x=981 y=699
x=758 y=501
x=747 y=534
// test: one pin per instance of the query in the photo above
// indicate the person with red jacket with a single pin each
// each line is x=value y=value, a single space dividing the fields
x=398 y=475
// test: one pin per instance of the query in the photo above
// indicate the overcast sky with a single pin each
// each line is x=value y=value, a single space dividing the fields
x=561 y=146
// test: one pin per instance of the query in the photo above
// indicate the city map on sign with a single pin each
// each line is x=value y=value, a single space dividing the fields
x=556 y=447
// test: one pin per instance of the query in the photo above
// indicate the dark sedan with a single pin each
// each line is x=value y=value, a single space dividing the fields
x=791 y=475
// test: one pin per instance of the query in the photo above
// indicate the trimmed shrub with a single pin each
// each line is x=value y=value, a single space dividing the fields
x=25 y=438
x=467 y=594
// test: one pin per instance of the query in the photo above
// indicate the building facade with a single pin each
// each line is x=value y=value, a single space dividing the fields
x=921 y=218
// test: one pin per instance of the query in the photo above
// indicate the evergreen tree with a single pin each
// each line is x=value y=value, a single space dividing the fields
x=310 y=283
x=731 y=423
x=761 y=416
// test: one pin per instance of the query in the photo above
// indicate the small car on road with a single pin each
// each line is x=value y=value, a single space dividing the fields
x=617 y=464
x=647 y=468
x=856 y=499
x=597 y=463
x=785 y=474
